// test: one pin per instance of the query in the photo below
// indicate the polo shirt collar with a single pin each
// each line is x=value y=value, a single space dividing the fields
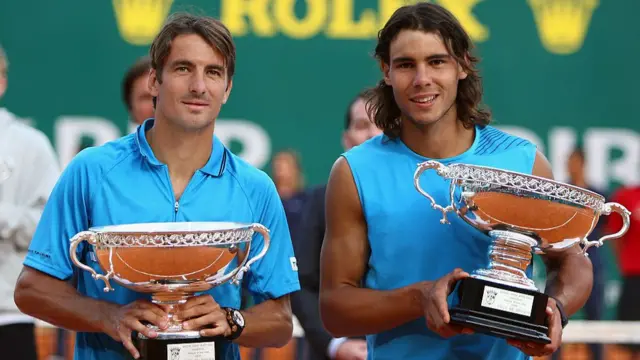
x=215 y=166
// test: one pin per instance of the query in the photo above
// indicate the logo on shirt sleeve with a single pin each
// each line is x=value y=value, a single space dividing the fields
x=294 y=263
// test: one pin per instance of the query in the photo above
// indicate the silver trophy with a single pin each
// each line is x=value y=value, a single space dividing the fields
x=522 y=214
x=171 y=261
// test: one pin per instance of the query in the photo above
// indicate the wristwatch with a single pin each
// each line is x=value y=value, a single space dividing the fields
x=563 y=315
x=236 y=322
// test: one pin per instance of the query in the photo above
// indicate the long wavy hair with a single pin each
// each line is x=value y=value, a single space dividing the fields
x=380 y=101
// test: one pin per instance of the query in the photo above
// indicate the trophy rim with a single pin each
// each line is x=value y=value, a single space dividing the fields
x=593 y=194
x=171 y=228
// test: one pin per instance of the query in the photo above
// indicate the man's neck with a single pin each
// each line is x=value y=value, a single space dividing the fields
x=183 y=152
x=443 y=139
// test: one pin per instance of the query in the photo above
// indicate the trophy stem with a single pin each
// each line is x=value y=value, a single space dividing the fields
x=169 y=301
x=510 y=256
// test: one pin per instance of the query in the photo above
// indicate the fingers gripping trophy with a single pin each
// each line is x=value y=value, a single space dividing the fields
x=521 y=214
x=172 y=262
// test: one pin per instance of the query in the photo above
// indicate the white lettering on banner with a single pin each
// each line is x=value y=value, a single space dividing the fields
x=256 y=144
x=69 y=130
x=598 y=144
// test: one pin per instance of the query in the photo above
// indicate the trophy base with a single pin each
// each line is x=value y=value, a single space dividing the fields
x=501 y=310
x=189 y=348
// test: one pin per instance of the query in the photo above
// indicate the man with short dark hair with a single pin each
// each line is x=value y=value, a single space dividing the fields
x=182 y=172
x=135 y=91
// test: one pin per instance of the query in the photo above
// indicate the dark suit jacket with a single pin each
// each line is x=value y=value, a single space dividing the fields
x=307 y=242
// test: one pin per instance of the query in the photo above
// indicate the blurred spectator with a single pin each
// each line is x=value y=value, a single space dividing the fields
x=135 y=92
x=28 y=171
x=287 y=175
x=627 y=250
x=594 y=308
x=308 y=243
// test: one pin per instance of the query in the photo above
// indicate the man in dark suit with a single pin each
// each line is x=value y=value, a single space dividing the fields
x=308 y=239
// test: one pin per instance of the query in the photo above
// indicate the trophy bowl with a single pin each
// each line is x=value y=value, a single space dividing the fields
x=171 y=261
x=521 y=214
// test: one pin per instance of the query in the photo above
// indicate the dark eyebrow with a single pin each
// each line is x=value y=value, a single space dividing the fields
x=187 y=63
x=400 y=59
x=215 y=67
x=438 y=57
x=181 y=62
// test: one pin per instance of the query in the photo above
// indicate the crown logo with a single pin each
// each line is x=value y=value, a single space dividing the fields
x=563 y=24
x=139 y=21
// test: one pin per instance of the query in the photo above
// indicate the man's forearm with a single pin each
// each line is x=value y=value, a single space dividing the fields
x=267 y=324
x=58 y=303
x=570 y=280
x=350 y=311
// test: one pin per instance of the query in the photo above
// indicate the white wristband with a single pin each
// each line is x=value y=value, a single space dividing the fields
x=333 y=347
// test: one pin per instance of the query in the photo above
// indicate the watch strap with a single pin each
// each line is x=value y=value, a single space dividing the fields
x=236 y=328
x=563 y=316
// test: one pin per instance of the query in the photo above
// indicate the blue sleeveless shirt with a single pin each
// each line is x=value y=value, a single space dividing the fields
x=409 y=244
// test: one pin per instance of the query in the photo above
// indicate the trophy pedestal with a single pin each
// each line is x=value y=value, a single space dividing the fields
x=501 y=310
x=179 y=349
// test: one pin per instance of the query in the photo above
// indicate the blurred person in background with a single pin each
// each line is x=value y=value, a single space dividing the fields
x=594 y=307
x=307 y=244
x=135 y=96
x=135 y=92
x=287 y=175
x=627 y=251
x=28 y=171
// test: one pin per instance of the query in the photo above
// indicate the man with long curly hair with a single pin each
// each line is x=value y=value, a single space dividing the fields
x=388 y=265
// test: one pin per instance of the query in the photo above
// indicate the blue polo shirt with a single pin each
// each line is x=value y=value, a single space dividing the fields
x=122 y=182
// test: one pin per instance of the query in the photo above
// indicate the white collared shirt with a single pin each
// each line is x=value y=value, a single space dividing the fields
x=29 y=170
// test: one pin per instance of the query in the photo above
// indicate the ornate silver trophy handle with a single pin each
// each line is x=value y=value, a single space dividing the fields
x=442 y=170
x=608 y=209
x=90 y=237
x=237 y=277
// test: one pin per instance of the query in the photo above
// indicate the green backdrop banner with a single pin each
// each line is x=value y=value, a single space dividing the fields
x=559 y=72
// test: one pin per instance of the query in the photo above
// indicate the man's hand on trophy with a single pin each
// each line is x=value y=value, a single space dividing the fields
x=555 y=334
x=436 y=309
x=202 y=312
x=122 y=320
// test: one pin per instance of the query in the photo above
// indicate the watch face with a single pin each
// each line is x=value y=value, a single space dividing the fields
x=238 y=319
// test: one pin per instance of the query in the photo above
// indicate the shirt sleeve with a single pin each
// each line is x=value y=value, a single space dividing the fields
x=37 y=176
x=65 y=214
x=275 y=274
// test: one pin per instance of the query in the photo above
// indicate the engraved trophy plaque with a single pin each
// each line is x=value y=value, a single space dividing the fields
x=172 y=262
x=521 y=214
